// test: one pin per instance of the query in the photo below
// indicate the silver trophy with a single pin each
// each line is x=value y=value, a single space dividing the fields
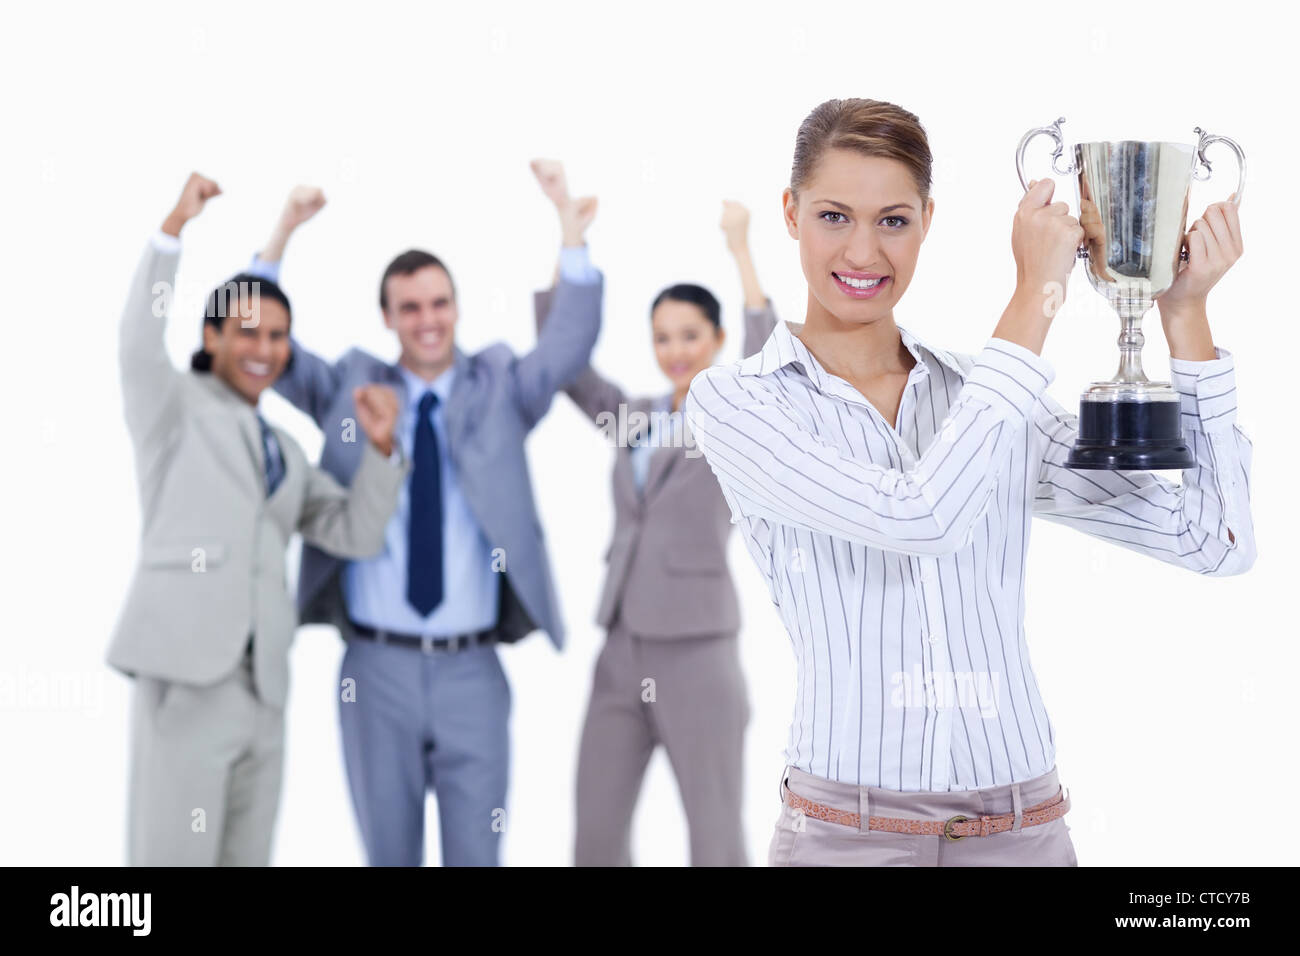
x=1132 y=199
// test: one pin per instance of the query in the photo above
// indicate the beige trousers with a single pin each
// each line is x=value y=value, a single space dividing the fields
x=803 y=840
x=698 y=712
x=205 y=772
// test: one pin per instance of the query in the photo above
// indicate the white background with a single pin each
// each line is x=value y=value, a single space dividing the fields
x=1172 y=695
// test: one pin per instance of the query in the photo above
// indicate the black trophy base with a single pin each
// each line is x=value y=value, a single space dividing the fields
x=1130 y=436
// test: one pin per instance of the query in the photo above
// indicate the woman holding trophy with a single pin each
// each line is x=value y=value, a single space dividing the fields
x=885 y=487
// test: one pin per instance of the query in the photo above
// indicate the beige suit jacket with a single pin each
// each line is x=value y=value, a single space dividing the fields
x=667 y=573
x=210 y=570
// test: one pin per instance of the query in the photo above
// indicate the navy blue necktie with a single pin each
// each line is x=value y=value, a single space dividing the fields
x=424 y=544
x=274 y=461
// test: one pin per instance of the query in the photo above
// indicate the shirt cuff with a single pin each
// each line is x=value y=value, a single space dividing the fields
x=166 y=243
x=757 y=310
x=575 y=265
x=1207 y=389
x=1009 y=377
x=264 y=269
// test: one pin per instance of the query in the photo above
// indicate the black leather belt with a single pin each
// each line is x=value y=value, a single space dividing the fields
x=429 y=645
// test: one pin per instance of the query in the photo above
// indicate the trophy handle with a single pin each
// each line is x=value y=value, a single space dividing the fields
x=1206 y=140
x=1053 y=131
x=1201 y=164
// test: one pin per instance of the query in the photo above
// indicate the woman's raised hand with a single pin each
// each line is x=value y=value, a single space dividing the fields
x=1045 y=239
x=735 y=224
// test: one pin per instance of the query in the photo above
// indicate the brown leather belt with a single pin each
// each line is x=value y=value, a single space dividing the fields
x=954 y=828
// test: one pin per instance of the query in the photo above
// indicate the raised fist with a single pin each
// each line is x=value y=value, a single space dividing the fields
x=377 y=412
x=550 y=173
x=198 y=190
x=735 y=222
x=303 y=203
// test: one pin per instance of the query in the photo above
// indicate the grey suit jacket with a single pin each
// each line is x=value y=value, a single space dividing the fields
x=496 y=399
x=211 y=564
x=667 y=573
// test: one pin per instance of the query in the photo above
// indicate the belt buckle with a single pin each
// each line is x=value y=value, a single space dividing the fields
x=947 y=828
x=426 y=644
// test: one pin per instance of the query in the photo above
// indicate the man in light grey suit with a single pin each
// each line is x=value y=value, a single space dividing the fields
x=206 y=626
x=464 y=564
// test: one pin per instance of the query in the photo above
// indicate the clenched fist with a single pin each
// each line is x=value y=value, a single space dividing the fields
x=198 y=190
x=377 y=409
x=550 y=173
x=735 y=223
x=303 y=203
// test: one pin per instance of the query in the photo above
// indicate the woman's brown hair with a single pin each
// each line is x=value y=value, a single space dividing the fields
x=870 y=127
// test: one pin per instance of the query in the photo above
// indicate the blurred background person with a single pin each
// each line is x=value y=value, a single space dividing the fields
x=464 y=564
x=669 y=672
x=207 y=623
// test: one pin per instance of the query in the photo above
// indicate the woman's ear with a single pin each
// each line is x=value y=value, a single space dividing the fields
x=790 y=212
x=927 y=216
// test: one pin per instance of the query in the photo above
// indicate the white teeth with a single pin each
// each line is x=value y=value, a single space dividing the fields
x=859 y=283
x=257 y=368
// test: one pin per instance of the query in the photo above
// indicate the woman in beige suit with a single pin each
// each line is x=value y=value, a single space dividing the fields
x=669 y=672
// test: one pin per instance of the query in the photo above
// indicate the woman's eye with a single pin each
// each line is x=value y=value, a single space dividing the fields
x=830 y=212
x=898 y=219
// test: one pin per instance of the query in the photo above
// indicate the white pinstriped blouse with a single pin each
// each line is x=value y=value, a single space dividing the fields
x=896 y=558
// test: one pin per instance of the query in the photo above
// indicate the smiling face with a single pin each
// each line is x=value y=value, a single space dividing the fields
x=252 y=347
x=860 y=223
x=422 y=311
x=686 y=342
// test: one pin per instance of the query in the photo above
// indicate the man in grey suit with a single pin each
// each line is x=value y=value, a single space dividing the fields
x=464 y=564
x=206 y=627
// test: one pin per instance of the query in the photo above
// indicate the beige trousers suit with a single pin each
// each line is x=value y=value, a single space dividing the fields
x=207 y=720
x=669 y=672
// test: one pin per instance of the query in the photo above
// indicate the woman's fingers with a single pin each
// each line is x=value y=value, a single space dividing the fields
x=1231 y=224
x=1198 y=252
x=1218 y=226
x=1038 y=193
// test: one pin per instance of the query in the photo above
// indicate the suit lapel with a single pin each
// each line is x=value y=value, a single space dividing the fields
x=254 y=468
x=456 y=411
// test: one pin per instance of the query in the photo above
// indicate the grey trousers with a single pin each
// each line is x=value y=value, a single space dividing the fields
x=803 y=840
x=696 y=706
x=205 y=772
x=423 y=722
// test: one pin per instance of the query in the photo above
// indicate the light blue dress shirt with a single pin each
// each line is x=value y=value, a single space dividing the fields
x=375 y=589
x=664 y=428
